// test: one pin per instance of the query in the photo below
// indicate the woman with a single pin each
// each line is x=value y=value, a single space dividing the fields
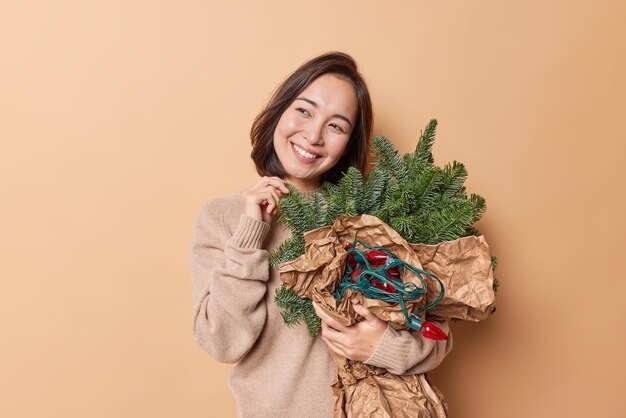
x=316 y=125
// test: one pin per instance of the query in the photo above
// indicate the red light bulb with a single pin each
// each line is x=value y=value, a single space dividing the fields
x=376 y=257
x=351 y=261
x=432 y=331
x=389 y=288
x=393 y=272
x=355 y=273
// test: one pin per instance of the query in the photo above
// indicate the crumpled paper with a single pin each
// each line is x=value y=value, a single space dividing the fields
x=464 y=267
x=361 y=390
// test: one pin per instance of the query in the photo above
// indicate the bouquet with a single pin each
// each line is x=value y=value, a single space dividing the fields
x=399 y=240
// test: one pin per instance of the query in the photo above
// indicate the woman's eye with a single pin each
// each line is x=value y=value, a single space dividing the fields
x=338 y=128
x=302 y=110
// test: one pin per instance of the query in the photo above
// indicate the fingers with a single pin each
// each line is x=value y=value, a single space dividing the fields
x=256 y=201
x=261 y=201
x=272 y=203
x=335 y=348
x=275 y=182
x=334 y=339
x=364 y=312
x=331 y=334
x=355 y=342
x=328 y=319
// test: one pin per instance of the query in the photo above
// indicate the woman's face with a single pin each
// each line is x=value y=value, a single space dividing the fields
x=313 y=132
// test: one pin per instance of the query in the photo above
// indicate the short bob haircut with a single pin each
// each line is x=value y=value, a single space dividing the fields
x=262 y=133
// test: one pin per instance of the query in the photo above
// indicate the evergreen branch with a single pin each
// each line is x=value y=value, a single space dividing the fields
x=454 y=175
x=407 y=226
x=389 y=159
x=290 y=249
x=424 y=148
x=345 y=198
x=312 y=321
x=415 y=167
x=295 y=309
x=450 y=223
x=480 y=206
x=320 y=205
x=426 y=188
x=374 y=189
x=390 y=204
x=494 y=266
x=297 y=212
x=494 y=263
x=471 y=231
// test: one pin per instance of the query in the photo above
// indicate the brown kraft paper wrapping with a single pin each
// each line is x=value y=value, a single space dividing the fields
x=464 y=267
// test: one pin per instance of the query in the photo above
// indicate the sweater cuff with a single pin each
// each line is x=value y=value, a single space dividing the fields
x=392 y=350
x=250 y=233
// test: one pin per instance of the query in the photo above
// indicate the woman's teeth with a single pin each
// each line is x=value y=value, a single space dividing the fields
x=304 y=153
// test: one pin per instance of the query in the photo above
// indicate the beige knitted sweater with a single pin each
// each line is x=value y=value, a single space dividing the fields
x=280 y=371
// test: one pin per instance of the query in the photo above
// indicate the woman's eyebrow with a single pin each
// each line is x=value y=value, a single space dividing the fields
x=336 y=115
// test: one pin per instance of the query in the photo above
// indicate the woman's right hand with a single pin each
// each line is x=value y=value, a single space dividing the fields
x=261 y=200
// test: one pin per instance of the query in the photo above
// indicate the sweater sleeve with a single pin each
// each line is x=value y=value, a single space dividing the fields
x=229 y=276
x=408 y=352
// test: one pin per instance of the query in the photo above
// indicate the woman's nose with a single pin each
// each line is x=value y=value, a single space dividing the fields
x=314 y=133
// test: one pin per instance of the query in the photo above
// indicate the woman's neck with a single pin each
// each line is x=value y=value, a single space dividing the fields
x=310 y=193
x=305 y=185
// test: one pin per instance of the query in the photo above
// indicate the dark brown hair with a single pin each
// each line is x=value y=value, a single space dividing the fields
x=262 y=132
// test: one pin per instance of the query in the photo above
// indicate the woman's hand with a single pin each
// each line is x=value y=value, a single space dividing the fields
x=356 y=342
x=261 y=200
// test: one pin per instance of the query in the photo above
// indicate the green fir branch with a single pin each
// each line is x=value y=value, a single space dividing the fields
x=295 y=309
x=387 y=158
x=448 y=223
x=290 y=249
x=374 y=191
x=346 y=197
x=453 y=176
x=319 y=204
x=297 y=212
x=426 y=188
x=494 y=266
x=480 y=206
x=424 y=148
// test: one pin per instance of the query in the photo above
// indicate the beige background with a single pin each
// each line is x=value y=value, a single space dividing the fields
x=118 y=119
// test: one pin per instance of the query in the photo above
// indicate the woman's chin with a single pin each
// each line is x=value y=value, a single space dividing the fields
x=303 y=181
x=299 y=174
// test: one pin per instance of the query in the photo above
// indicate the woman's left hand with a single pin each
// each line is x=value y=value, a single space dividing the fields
x=356 y=342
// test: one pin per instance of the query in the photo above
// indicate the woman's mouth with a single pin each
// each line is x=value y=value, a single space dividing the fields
x=304 y=155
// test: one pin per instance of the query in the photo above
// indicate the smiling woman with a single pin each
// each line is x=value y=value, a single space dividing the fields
x=316 y=126
x=319 y=77
x=312 y=134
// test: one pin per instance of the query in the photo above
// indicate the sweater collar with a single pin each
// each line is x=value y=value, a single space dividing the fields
x=310 y=194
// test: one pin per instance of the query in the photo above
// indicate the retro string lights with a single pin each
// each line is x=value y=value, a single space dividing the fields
x=378 y=274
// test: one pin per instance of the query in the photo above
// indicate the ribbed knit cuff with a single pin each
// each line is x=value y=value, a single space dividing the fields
x=250 y=233
x=392 y=350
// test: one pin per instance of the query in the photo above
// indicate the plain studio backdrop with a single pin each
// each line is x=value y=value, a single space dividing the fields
x=118 y=119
